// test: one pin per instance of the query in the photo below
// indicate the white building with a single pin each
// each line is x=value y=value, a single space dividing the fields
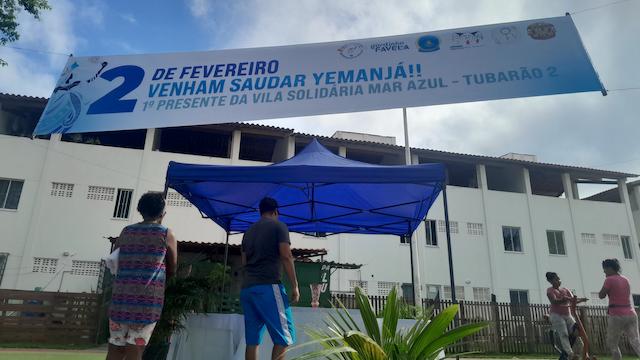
x=512 y=218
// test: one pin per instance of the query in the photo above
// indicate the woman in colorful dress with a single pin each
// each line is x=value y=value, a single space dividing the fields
x=148 y=257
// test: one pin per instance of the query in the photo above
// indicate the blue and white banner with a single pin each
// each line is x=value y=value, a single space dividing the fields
x=527 y=58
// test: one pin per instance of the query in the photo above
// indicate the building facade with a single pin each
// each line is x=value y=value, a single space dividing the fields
x=511 y=218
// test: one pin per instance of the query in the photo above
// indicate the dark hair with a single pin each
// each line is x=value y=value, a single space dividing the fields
x=151 y=205
x=551 y=275
x=612 y=264
x=268 y=205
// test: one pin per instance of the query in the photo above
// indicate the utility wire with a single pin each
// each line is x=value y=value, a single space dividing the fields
x=40 y=51
x=598 y=7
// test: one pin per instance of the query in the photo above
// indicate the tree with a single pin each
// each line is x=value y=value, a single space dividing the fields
x=9 y=10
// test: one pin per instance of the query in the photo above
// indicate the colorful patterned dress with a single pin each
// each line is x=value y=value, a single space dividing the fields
x=138 y=292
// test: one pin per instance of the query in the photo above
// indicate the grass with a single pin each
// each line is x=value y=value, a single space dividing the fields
x=49 y=356
x=45 y=346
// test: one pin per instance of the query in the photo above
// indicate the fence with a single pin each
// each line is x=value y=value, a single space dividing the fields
x=48 y=317
x=515 y=328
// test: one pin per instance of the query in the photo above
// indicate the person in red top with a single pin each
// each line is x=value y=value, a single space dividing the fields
x=622 y=316
x=560 y=316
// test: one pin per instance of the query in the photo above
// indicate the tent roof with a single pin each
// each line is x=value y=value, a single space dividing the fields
x=317 y=191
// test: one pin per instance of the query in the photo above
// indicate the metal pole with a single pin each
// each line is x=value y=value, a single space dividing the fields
x=224 y=269
x=415 y=258
x=446 y=222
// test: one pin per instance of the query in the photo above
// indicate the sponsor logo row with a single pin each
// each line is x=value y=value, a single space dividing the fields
x=502 y=35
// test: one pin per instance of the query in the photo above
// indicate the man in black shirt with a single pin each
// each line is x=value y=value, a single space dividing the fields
x=266 y=250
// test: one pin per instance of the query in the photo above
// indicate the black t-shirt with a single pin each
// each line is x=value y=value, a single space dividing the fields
x=261 y=244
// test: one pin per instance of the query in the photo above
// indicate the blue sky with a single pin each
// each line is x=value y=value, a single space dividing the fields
x=586 y=129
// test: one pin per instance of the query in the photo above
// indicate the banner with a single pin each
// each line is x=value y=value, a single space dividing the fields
x=528 y=58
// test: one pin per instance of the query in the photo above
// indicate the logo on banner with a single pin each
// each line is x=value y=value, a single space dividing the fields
x=351 y=50
x=428 y=43
x=541 y=31
x=463 y=40
x=505 y=35
x=67 y=103
x=390 y=46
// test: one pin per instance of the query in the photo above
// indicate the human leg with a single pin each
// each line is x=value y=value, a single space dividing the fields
x=253 y=324
x=278 y=352
x=115 y=352
x=578 y=344
x=560 y=326
x=614 y=331
x=117 y=334
x=631 y=329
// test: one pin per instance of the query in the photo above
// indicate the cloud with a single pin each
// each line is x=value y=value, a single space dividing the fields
x=129 y=18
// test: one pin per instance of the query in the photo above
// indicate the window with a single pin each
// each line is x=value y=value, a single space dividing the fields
x=354 y=283
x=384 y=287
x=595 y=299
x=475 y=229
x=100 y=193
x=611 y=240
x=61 y=190
x=175 y=199
x=511 y=238
x=3 y=263
x=405 y=239
x=481 y=294
x=10 y=191
x=518 y=298
x=626 y=247
x=636 y=300
x=123 y=204
x=459 y=292
x=555 y=239
x=588 y=238
x=433 y=292
x=85 y=268
x=44 y=265
x=453 y=226
x=430 y=226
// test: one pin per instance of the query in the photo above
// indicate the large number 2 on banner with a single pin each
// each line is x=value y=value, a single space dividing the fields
x=111 y=102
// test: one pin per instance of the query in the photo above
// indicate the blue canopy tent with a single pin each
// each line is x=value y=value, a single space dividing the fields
x=317 y=191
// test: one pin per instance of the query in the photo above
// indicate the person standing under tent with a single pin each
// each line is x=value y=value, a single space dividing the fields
x=148 y=258
x=266 y=250
x=560 y=316
x=622 y=316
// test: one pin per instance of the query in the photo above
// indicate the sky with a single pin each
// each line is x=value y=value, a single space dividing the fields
x=585 y=129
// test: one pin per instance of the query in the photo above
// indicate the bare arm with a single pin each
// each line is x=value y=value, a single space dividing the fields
x=603 y=292
x=289 y=268
x=171 y=259
x=554 y=300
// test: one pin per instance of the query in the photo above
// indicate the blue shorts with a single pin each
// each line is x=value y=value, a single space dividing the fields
x=267 y=305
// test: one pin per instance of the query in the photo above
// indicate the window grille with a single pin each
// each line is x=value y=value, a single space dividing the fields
x=475 y=229
x=430 y=227
x=123 y=204
x=384 y=287
x=595 y=299
x=453 y=226
x=176 y=199
x=354 y=283
x=588 y=238
x=511 y=239
x=85 y=268
x=61 y=190
x=611 y=240
x=555 y=240
x=44 y=265
x=459 y=292
x=481 y=294
x=100 y=193
x=3 y=263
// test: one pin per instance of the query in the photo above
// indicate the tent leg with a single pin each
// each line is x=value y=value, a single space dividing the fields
x=166 y=189
x=224 y=269
x=446 y=222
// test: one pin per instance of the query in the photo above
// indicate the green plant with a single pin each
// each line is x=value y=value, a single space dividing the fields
x=407 y=311
x=195 y=289
x=423 y=341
